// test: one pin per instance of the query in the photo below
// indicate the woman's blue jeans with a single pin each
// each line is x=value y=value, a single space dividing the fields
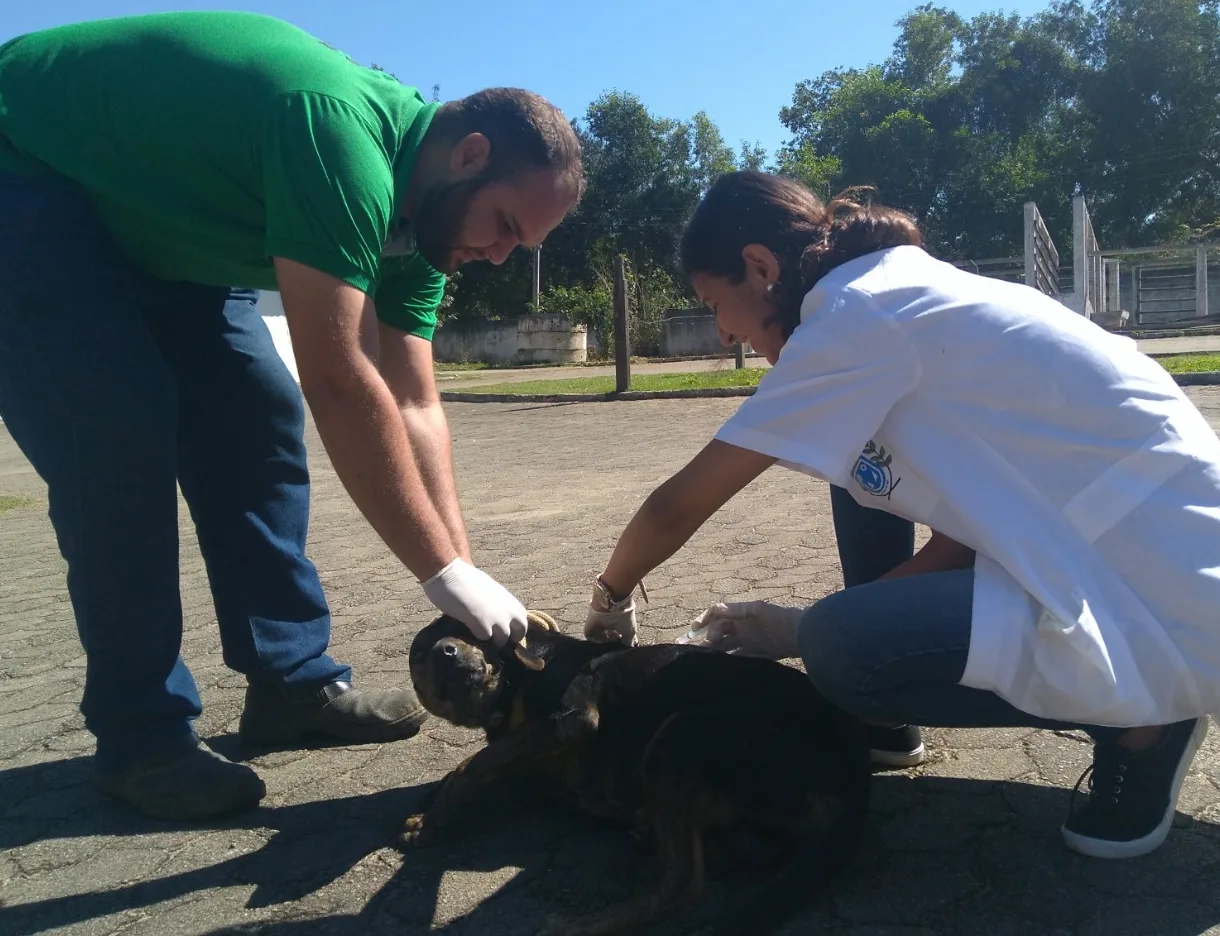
x=119 y=388
x=895 y=651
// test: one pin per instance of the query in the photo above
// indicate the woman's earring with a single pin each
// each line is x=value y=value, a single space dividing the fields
x=771 y=288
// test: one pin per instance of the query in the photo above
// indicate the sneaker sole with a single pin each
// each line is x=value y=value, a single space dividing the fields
x=188 y=809
x=402 y=730
x=185 y=807
x=898 y=758
x=1100 y=848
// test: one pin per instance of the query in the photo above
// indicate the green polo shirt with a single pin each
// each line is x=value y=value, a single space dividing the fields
x=211 y=142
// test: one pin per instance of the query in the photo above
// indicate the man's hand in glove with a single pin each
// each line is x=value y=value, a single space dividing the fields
x=750 y=628
x=477 y=600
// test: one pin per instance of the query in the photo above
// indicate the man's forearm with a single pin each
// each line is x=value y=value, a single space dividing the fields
x=428 y=435
x=366 y=440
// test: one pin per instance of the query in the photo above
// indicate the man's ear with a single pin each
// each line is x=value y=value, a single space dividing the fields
x=470 y=156
x=528 y=660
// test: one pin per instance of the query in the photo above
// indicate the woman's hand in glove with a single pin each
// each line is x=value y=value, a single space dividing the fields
x=749 y=628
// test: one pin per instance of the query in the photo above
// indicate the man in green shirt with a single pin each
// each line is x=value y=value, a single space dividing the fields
x=155 y=172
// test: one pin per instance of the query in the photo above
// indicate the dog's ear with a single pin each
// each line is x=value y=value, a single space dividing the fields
x=527 y=659
x=540 y=621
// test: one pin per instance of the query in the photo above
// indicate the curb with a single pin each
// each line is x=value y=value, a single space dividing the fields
x=457 y=396
x=1144 y=334
x=1159 y=355
x=599 y=362
x=1199 y=379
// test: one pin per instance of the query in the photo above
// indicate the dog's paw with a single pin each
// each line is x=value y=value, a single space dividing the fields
x=415 y=833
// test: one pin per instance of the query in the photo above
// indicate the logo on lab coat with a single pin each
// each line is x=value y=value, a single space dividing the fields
x=873 y=471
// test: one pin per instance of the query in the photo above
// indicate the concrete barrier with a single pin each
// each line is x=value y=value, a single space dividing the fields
x=552 y=339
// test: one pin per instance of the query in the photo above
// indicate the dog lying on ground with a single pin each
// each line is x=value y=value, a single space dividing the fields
x=694 y=749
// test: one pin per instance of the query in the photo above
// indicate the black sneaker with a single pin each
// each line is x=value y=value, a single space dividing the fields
x=896 y=747
x=1132 y=794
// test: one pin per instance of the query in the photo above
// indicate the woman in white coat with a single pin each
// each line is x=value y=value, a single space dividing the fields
x=1072 y=579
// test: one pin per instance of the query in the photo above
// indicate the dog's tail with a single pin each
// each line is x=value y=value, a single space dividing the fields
x=808 y=875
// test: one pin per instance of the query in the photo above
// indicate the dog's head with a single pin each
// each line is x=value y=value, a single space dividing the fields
x=461 y=679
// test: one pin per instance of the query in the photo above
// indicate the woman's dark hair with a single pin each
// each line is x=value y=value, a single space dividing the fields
x=808 y=238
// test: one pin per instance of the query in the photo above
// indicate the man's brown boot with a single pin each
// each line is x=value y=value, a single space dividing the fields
x=336 y=711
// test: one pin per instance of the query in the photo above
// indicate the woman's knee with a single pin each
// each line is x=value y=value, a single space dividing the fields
x=864 y=645
x=831 y=649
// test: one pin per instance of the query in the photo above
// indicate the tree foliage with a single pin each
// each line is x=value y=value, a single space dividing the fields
x=965 y=121
x=969 y=119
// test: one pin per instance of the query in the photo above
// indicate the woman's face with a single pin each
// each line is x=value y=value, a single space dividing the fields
x=743 y=311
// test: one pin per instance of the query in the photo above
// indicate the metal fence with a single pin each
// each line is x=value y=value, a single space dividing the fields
x=1041 y=256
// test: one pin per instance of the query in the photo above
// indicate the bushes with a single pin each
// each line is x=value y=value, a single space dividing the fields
x=649 y=294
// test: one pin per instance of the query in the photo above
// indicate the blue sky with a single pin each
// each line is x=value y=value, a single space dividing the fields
x=739 y=61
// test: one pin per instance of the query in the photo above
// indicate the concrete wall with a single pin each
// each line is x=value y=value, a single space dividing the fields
x=526 y=340
x=476 y=340
x=689 y=332
x=533 y=338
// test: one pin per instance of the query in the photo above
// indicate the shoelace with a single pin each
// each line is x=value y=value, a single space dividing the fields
x=1107 y=776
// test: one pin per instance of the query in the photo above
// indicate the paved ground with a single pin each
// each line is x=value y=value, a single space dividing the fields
x=967 y=844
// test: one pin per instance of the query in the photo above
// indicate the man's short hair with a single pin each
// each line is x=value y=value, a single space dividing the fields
x=526 y=132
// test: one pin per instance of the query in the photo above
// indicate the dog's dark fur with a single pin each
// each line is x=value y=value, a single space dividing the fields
x=688 y=746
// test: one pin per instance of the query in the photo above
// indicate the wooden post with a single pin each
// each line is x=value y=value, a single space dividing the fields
x=1031 y=245
x=622 y=331
x=1200 y=281
x=739 y=353
x=537 y=277
x=1082 y=283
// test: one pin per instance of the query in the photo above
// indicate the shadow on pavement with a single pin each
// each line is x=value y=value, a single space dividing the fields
x=948 y=855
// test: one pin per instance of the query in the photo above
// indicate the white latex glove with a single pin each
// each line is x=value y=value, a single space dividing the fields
x=472 y=596
x=609 y=621
x=749 y=628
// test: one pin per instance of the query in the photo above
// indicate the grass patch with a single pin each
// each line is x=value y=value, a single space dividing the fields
x=450 y=367
x=11 y=502
x=1190 y=363
x=746 y=377
x=698 y=380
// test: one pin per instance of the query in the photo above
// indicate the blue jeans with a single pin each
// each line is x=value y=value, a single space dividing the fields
x=895 y=651
x=118 y=387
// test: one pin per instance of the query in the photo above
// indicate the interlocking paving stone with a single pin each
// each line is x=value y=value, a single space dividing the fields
x=966 y=844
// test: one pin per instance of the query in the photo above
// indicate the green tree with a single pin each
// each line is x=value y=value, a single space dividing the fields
x=968 y=119
x=1150 y=100
x=752 y=156
x=709 y=156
